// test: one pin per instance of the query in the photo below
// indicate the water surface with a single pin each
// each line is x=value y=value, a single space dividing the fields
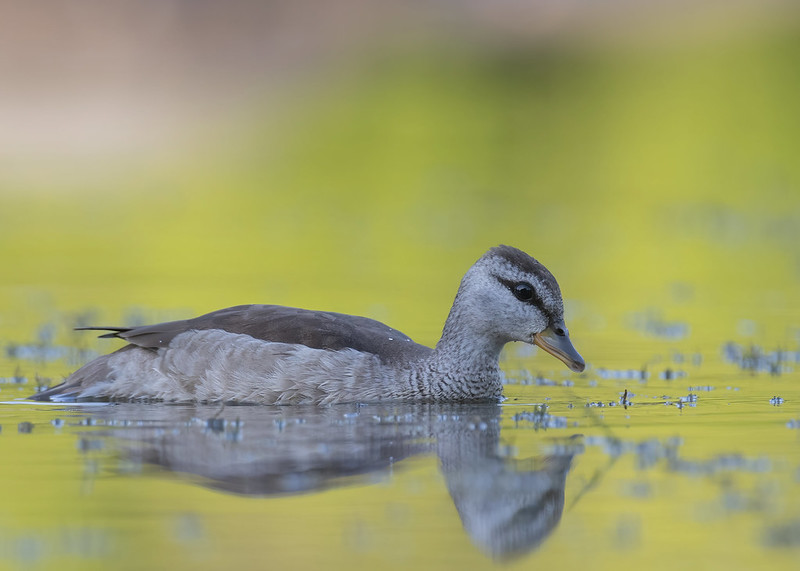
x=693 y=459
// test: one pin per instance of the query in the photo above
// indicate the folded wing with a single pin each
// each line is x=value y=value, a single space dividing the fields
x=314 y=329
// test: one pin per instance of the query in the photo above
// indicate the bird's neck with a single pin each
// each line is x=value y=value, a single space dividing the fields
x=470 y=351
x=467 y=338
x=464 y=363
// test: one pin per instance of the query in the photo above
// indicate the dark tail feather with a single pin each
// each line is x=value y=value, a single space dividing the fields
x=115 y=331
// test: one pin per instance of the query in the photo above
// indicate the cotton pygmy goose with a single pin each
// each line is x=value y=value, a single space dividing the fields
x=270 y=354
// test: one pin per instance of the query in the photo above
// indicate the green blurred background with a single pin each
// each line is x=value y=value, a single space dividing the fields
x=359 y=156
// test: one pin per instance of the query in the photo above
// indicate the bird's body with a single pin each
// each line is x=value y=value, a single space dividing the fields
x=270 y=354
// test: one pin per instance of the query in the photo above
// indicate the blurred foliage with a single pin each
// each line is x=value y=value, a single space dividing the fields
x=372 y=186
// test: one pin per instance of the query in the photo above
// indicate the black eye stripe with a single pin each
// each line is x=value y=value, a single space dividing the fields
x=515 y=287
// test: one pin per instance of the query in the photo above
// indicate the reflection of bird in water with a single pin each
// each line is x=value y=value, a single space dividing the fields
x=508 y=507
x=273 y=451
x=271 y=354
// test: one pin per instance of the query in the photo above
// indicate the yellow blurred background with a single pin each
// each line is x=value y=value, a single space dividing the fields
x=163 y=158
x=358 y=156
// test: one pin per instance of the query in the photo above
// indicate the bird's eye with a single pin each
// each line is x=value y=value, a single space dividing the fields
x=523 y=291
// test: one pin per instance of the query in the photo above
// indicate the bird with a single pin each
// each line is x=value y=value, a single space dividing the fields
x=271 y=354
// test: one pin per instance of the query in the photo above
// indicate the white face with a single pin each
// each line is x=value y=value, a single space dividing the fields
x=509 y=303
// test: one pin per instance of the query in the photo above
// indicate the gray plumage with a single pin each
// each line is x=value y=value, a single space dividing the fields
x=271 y=354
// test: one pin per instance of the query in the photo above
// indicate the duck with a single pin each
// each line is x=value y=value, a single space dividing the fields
x=277 y=355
